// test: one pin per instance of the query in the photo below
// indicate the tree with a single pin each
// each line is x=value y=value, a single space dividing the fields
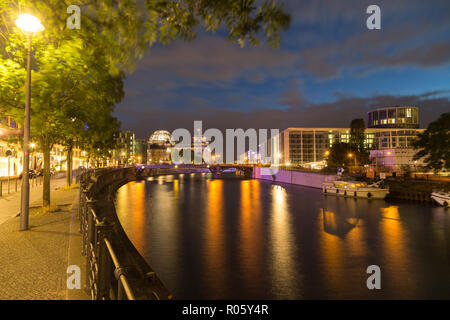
x=338 y=156
x=357 y=137
x=434 y=144
x=357 y=134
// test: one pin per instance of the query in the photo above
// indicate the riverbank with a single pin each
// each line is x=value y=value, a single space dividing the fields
x=306 y=179
x=400 y=189
x=414 y=190
x=34 y=262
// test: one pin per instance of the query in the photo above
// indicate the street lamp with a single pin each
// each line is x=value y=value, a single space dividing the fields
x=29 y=25
x=350 y=155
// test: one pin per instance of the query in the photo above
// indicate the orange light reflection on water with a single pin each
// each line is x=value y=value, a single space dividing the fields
x=215 y=258
x=250 y=244
x=282 y=245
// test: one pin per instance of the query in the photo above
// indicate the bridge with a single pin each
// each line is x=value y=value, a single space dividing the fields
x=217 y=169
x=242 y=170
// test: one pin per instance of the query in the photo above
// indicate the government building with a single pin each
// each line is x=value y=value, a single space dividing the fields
x=389 y=134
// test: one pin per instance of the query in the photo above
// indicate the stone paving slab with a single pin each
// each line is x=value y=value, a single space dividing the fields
x=33 y=263
x=10 y=204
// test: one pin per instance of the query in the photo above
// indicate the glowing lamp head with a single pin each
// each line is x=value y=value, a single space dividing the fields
x=29 y=24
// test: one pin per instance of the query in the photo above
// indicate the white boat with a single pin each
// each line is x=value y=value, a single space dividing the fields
x=354 y=189
x=443 y=198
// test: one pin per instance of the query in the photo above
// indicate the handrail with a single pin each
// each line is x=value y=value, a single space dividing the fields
x=104 y=242
x=122 y=278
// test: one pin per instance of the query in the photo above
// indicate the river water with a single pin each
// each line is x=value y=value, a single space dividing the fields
x=250 y=239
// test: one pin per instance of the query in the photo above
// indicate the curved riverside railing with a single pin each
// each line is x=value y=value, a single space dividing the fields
x=114 y=268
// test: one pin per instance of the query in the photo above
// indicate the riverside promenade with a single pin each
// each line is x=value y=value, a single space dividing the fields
x=33 y=263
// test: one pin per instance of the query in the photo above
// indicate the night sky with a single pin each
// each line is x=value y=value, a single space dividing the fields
x=328 y=70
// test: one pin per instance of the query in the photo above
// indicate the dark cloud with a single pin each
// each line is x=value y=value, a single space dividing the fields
x=413 y=33
x=334 y=114
x=212 y=59
x=293 y=98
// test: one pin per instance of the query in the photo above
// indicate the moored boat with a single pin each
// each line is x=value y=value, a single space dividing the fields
x=354 y=189
x=443 y=198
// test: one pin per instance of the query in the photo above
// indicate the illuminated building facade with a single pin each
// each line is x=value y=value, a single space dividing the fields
x=309 y=145
x=394 y=117
x=124 y=154
x=159 y=147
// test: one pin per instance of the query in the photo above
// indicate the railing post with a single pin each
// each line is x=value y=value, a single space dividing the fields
x=89 y=252
x=103 y=230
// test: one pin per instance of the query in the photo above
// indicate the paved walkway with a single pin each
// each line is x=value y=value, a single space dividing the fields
x=33 y=263
x=10 y=204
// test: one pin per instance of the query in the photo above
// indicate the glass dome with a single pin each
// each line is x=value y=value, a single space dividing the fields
x=161 y=136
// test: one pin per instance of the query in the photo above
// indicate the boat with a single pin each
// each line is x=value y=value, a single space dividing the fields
x=443 y=198
x=355 y=189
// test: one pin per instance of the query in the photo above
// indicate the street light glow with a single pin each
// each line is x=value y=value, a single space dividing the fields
x=29 y=24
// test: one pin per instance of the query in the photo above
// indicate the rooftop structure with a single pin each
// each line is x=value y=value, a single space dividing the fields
x=394 y=117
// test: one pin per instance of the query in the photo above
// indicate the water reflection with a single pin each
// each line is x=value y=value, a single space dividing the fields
x=395 y=249
x=337 y=225
x=131 y=200
x=250 y=244
x=215 y=251
x=231 y=238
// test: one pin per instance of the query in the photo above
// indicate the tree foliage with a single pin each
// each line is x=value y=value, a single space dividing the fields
x=338 y=156
x=357 y=134
x=434 y=144
x=357 y=138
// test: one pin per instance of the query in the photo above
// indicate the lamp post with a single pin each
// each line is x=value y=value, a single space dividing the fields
x=29 y=25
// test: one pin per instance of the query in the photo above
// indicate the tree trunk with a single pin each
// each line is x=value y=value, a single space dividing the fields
x=46 y=187
x=69 y=165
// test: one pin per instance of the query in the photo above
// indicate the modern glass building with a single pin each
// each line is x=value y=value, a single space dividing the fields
x=393 y=117
x=306 y=145
x=309 y=145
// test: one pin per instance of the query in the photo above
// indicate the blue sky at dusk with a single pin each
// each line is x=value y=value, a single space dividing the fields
x=328 y=70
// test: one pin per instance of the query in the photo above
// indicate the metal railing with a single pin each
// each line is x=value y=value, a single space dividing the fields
x=114 y=268
x=14 y=184
x=102 y=263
